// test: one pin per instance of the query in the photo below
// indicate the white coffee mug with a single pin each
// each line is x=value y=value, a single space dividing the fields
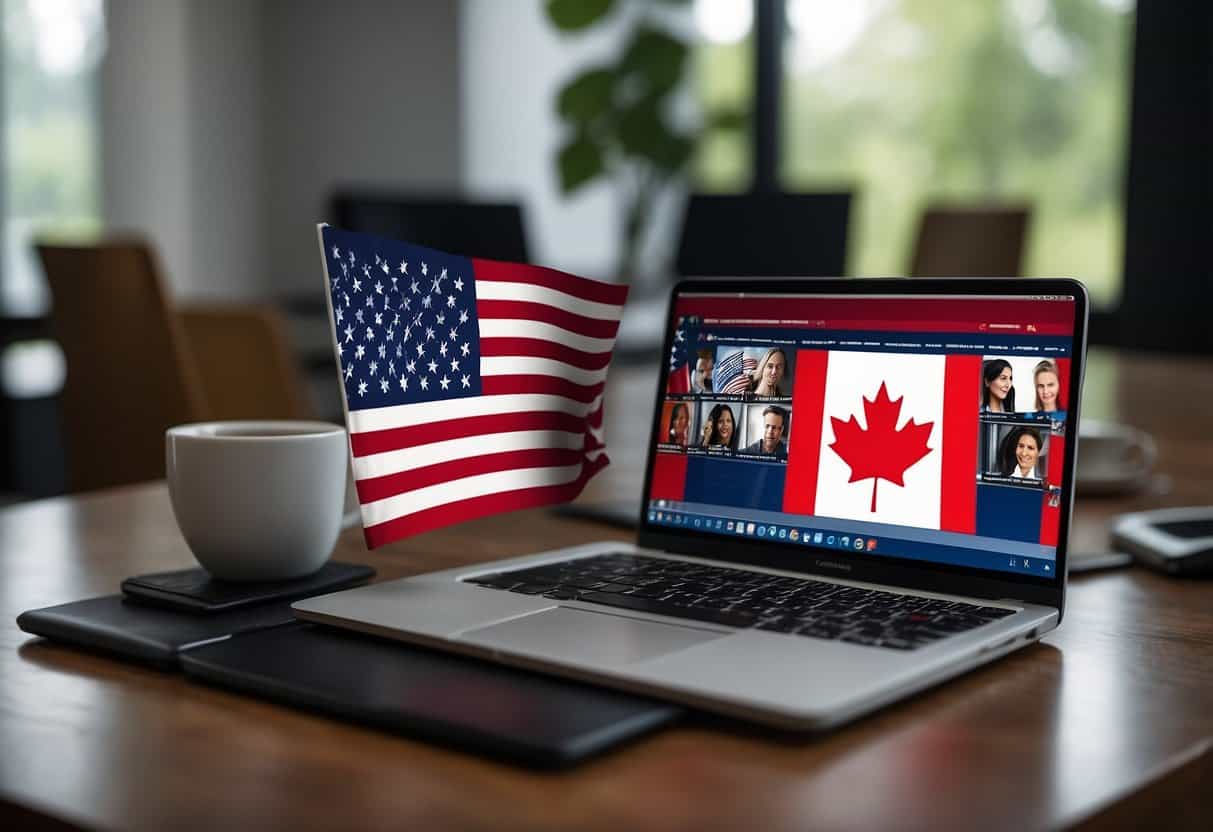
x=1113 y=458
x=258 y=500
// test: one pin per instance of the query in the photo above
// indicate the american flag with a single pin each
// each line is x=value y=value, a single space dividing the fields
x=679 y=379
x=472 y=387
x=733 y=373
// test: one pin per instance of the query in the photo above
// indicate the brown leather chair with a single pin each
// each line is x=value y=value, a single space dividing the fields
x=971 y=241
x=130 y=374
x=244 y=361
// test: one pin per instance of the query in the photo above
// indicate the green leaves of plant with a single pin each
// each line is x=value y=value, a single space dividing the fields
x=617 y=112
x=657 y=57
x=587 y=97
x=571 y=15
x=579 y=161
x=643 y=133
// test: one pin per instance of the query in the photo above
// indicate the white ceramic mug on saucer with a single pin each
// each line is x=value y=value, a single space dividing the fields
x=1113 y=458
x=258 y=500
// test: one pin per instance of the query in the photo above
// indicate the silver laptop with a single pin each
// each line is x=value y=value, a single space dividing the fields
x=855 y=489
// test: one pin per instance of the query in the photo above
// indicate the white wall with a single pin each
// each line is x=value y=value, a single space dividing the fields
x=226 y=124
x=513 y=64
x=146 y=144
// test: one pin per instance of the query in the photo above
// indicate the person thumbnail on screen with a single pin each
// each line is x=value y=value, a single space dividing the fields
x=1014 y=454
x=997 y=386
x=1020 y=453
x=768 y=376
x=1054 y=497
x=701 y=376
x=675 y=424
x=1047 y=380
x=769 y=425
x=753 y=371
x=720 y=429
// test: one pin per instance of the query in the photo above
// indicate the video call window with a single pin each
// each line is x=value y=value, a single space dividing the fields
x=758 y=371
x=1017 y=384
x=1015 y=453
x=676 y=430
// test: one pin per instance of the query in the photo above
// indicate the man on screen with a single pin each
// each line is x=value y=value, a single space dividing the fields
x=701 y=379
x=774 y=420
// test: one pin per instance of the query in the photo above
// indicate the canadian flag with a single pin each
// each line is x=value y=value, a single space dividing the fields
x=885 y=438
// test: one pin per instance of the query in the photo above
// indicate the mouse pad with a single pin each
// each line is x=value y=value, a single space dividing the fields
x=151 y=635
x=453 y=700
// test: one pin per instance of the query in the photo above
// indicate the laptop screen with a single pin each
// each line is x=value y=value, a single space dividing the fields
x=921 y=427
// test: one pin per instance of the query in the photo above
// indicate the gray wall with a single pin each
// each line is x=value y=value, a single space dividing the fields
x=225 y=125
x=356 y=93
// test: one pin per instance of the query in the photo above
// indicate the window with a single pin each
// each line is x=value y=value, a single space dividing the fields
x=51 y=51
x=918 y=101
x=724 y=84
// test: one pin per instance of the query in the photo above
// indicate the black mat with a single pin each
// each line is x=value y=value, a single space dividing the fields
x=526 y=717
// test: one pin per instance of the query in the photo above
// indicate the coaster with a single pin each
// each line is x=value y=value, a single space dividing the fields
x=195 y=591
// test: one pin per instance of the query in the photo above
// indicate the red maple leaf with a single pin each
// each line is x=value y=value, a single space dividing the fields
x=881 y=451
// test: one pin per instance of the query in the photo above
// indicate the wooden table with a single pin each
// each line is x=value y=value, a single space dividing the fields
x=1108 y=722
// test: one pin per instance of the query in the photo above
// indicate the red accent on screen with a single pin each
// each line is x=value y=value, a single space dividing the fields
x=1063 y=382
x=958 y=490
x=1050 y=516
x=804 y=448
x=669 y=476
x=1012 y=316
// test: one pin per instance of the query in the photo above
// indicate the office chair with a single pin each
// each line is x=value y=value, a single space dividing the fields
x=245 y=362
x=764 y=235
x=130 y=374
x=488 y=230
x=971 y=241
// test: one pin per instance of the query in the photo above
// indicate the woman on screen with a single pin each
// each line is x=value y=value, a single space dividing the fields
x=720 y=431
x=1048 y=386
x=680 y=422
x=766 y=379
x=1021 y=453
x=997 y=392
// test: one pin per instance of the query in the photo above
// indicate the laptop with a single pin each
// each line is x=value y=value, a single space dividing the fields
x=855 y=490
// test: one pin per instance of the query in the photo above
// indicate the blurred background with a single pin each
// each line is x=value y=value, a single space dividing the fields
x=619 y=139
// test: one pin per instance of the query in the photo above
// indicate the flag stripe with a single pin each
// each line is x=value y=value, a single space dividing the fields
x=526 y=365
x=470 y=509
x=420 y=456
x=362 y=422
x=958 y=479
x=804 y=455
x=372 y=489
x=490 y=290
x=520 y=328
x=592 y=290
x=593 y=327
x=467 y=488
x=417 y=438
x=500 y=386
x=536 y=348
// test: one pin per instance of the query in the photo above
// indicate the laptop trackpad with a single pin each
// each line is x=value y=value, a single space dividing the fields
x=586 y=637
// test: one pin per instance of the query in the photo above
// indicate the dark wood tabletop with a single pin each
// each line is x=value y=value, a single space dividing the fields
x=1107 y=723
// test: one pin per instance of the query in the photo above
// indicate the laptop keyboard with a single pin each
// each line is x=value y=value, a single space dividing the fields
x=745 y=599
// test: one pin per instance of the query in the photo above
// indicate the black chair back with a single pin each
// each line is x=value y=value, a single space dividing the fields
x=472 y=229
x=765 y=235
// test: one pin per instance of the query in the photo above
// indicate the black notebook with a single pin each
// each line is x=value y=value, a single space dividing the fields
x=524 y=717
